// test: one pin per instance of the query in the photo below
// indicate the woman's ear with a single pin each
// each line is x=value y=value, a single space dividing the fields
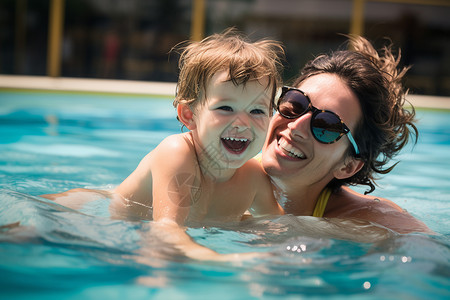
x=186 y=116
x=350 y=167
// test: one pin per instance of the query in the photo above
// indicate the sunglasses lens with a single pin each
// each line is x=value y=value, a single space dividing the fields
x=326 y=127
x=293 y=104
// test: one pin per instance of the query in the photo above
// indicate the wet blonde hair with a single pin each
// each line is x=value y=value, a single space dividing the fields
x=244 y=60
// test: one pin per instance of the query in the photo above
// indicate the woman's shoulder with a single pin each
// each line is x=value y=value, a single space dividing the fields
x=346 y=203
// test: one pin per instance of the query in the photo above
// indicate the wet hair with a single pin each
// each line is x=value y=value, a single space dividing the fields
x=244 y=60
x=376 y=80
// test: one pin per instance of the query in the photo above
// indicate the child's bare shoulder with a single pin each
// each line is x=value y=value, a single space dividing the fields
x=173 y=146
x=255 y=171
x=175 y=142
x=176 y=150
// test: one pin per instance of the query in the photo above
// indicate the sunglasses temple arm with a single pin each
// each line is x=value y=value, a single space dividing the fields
x=352 y=141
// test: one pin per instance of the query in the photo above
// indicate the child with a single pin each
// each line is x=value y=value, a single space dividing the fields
x=225 y=94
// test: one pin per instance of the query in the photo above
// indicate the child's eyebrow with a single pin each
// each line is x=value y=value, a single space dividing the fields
x=262 y=100
x=260 y=104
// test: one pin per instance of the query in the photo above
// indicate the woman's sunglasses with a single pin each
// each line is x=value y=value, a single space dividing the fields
x=326 y=126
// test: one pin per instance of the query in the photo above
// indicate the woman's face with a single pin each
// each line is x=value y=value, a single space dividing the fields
x=292 y=154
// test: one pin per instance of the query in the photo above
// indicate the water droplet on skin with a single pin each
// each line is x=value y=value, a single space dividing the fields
x=376 y=200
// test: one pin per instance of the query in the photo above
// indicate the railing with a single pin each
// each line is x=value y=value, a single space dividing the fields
x=197 y=25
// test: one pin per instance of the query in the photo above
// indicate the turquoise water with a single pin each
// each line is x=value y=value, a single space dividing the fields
x=54 y=142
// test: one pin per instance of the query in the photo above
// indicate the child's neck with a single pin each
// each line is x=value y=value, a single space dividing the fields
x=212 y=171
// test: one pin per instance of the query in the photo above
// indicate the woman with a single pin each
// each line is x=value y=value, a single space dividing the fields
x=340 y=124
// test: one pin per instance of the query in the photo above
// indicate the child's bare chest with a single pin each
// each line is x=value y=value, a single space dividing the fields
x=227 y=202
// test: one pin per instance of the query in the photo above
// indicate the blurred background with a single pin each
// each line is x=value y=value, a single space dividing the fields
x=131 y=39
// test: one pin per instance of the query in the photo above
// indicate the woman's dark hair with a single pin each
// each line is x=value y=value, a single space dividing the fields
x=376 y=80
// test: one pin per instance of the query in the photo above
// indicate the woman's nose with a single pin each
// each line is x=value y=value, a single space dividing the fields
x=300 y=127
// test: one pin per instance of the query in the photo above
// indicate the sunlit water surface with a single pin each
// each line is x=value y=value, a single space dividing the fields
x=53 y=142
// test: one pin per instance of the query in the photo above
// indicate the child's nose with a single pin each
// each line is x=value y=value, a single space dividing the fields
x=241 y=122
x=300 y=127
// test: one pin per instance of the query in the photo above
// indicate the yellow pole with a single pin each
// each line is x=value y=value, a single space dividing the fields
x=55 y=30
x=198 y=20
x=357 y=25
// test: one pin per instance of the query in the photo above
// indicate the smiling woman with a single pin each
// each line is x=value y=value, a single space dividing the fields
x=306 y=159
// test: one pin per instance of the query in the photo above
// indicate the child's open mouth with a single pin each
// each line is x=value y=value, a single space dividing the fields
x=235 y=145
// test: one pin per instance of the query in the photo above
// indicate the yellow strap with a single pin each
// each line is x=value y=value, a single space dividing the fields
x=322 y=203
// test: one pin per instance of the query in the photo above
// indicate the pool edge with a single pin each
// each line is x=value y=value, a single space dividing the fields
x=83 y=85
x=145 y=88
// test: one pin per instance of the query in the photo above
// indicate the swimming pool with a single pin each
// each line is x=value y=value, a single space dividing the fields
x=51 y=142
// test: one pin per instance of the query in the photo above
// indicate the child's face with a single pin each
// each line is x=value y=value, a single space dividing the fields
x=232 y=122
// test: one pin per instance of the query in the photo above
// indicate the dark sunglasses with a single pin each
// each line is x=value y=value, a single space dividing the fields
x=326 y=126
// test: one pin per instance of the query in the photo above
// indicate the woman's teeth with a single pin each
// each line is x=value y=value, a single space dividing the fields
x=292 y=152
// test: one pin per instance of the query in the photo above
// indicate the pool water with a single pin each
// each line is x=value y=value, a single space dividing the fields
x=52 y=142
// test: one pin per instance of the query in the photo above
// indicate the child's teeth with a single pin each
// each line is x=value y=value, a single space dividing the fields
x=234 y=139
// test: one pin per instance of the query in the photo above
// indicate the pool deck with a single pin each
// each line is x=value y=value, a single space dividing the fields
x=146 y=88
x=87 y=85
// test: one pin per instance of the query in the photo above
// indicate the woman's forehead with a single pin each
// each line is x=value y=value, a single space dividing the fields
x=330 y=92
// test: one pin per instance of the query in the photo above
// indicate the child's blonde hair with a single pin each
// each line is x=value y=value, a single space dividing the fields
x=244 y=60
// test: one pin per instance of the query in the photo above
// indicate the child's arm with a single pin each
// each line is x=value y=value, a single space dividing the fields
x=175 y=174
x=77 y=198
x=161 y=182
x=175 y=235
x=264 y=202
x=134 y=198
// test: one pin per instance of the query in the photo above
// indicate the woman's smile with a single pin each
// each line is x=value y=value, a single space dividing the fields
x=290 y=149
